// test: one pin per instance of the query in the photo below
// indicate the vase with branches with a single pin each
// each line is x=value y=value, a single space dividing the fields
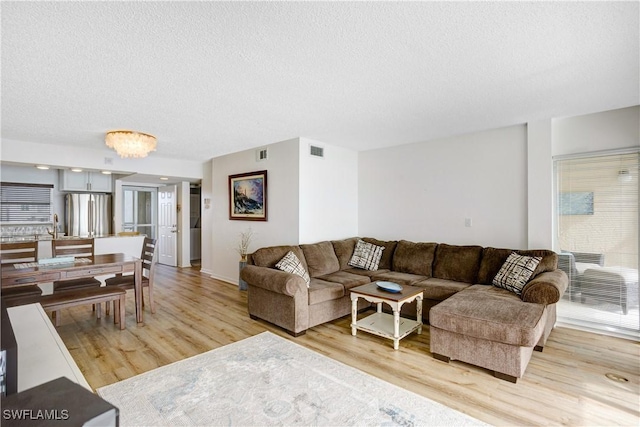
x=243 y=245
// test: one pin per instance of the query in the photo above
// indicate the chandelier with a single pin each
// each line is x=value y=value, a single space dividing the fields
x=128 y=143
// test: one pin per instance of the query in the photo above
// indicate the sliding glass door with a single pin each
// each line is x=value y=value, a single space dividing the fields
x=140 y=210
x=597 y=240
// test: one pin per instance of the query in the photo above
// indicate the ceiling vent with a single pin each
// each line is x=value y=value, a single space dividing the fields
x=261 y=154
x=316 y=151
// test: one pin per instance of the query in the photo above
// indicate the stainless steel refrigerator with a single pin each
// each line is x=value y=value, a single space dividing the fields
x=87 y=214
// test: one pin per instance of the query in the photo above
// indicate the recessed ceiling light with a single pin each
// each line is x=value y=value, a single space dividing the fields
x=106 y=172
x=43 y=167
x=76 y=170
x=164 y=178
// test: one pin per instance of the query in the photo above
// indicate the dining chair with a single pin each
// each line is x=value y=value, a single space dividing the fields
x=148 y=271
x=19 y=252
x=78 y=248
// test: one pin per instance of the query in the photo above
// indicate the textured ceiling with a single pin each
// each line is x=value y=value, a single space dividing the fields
x=210 y=78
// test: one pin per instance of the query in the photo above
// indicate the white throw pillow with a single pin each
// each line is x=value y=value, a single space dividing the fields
x=291 y=264
x=366 y=256
x=516 y=272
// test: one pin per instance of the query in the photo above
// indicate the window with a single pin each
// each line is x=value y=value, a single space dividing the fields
x=139 y=210
x=597 y=238
x=25 y=203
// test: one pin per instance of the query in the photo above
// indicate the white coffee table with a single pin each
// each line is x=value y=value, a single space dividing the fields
x=383 y=324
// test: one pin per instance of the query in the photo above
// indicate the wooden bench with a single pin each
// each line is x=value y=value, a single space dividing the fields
x=86 y=296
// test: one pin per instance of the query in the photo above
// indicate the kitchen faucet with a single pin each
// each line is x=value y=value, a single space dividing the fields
x=54 y=233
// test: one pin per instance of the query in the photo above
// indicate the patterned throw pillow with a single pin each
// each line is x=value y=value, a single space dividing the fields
x=366 y=256
x=515 y=272
x=291 y=264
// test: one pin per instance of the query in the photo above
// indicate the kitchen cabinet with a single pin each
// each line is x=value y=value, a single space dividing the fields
x=85 y=181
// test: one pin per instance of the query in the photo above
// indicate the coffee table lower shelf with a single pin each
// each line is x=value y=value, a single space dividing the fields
x=381 y=324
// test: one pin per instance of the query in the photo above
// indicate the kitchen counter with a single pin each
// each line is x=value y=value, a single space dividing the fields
x=127 y=244
x=9 y=239
x=48 y=237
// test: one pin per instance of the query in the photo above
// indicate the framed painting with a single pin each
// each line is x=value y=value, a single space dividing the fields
x=248 y=196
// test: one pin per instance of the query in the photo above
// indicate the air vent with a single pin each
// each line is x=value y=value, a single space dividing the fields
x=261 y=154
x=316 y=151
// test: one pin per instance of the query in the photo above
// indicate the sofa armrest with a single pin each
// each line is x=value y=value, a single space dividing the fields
x=273 y=280
x=546 y=288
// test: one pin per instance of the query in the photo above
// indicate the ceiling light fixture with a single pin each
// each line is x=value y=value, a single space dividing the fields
x=106 y=172
x=76 y=170
x=128 y=143
x=164 y=178
x=42 y=167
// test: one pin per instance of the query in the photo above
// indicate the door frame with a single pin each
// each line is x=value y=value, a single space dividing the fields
x=161 y=240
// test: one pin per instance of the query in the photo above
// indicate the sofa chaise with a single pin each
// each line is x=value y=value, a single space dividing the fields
x=470 y=319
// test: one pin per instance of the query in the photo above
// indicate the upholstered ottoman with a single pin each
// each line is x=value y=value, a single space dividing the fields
x=489 y=327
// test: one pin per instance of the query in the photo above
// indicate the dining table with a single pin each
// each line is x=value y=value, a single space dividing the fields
x=33 y=273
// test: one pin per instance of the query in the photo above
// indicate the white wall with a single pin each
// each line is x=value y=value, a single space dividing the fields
x=606 y=130
x=539 y=185
x=308 y=200
x=328 y=193
x=425 y=191
x=282 y=206
x=206 y=219
x=183 y=218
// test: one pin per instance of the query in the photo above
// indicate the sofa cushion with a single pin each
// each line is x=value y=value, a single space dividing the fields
x=399 y=278
x=458 y=263
x=348 y=280
x=291 y=264
x=414 y=258
x=440 y=289
x=367 y=273
x=322 y=290
x=493 y=259
x=515 y=272
x=366 y=256
x=387 y=254
x=490 y=313
x=321 y=258
x=269 y=256
x=344 y=250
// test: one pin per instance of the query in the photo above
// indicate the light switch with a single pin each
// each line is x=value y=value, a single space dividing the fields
x=468 y=222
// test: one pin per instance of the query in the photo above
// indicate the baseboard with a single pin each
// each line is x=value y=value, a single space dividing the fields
x=224 y=279
x=206 y=271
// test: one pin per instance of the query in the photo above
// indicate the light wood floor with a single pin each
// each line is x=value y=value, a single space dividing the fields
x=564 y=385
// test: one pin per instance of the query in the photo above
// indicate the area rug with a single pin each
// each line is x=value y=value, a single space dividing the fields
x=266 y=380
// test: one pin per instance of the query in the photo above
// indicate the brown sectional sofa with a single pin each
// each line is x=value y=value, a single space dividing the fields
x=470 y=320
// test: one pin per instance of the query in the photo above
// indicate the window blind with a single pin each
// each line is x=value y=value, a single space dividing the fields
x=597 y=234
x=25 y=203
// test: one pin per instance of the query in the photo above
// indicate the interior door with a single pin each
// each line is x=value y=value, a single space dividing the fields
x=167 y=226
